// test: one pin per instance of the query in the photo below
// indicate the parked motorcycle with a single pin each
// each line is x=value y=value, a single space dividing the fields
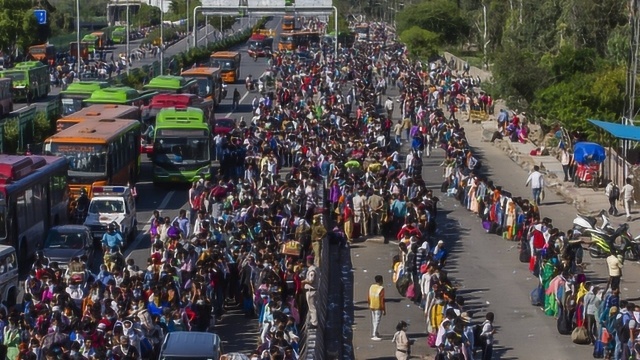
x=582 y=223
x=603 y=243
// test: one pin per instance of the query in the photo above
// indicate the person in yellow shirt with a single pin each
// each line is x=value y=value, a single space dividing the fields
x=376 y=305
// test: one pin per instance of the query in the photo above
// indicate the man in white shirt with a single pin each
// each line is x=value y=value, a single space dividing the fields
x=627 y=194
x=536 y=180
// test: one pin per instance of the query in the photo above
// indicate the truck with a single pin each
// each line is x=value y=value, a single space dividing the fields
x=112 y=204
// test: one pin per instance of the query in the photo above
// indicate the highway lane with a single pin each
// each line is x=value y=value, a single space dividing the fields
x=236 y=332
x=205 y=35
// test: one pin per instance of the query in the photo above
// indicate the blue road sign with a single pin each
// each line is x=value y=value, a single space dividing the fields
x=41 y=16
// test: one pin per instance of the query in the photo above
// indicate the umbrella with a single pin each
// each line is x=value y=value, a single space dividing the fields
x=234 y=356
x=352 y=164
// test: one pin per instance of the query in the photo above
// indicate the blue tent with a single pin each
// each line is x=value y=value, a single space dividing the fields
x=587 y=152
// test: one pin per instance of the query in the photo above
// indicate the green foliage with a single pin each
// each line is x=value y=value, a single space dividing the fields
x=18 y=25
x=570 y=61
x=421 y=43
x=442 y=17
x=42 y=127
x=517 y=74
x=147 y=16
x=11 y=135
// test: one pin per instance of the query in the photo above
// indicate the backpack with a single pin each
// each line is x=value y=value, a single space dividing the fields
x=615 y=193
x=621 y=329
x=564 y=323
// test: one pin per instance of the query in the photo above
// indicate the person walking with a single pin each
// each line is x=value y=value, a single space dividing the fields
x=311 y=286
x=236 y=99
x=565 y=160
x=486 y=336
x=612 y=191
x=376 y=303
x=403 y=344
x=536 y=180
x=628 y=196
x=614 y=264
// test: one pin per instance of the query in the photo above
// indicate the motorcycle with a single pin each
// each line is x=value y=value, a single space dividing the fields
x=113 y=258
x=603 y=243
x=582 y=223
x=250 y=84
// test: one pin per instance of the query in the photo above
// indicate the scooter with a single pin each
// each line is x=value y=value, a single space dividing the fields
x=583 y=223
x=603 y=243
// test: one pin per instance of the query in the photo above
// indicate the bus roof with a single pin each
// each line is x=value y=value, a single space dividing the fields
x=101 y=111
x=201 y=71
x=176 y=116
x=89 y=37
x=27 y=65
x=258 y=37
x=93 y=132
x=225 y=54
x=84 y=87
x=161 y=101
x=117 y=95
x=17 y=167
x=168 y=82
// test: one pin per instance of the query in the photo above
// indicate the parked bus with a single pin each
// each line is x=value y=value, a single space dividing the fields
x=92 y=42
x=121 y=95
x=30 y=80
x=45 y=53
x=101 y=152
x=6 y=98
x=98 y=112
x=170 y=84
x=208 y=81
x=182 y=144
x=293 y=40
x=119 y=35
x=287 y=41
x=34 y=196
x=288 y=23
x=72 y=98
x=84 y=50
x=229 y=64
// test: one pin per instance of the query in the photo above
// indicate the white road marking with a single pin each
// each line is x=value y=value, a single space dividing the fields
x=240 y=102
x=133 y=246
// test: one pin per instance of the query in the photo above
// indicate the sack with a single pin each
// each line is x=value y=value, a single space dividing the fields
x=291 y=248
x=598 y=350
x=606 y=336
x=444 y=186
x=537 y=296
x=564 y=322
x=431 y=340
x=580 y=336
x=411 y=291
x=486 y=225
x=403 y=284
x=525 y=252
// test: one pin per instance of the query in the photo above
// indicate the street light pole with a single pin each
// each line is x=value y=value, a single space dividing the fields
x=161 y=37
x=128 y=40
x=194 y=21
x=78 y=53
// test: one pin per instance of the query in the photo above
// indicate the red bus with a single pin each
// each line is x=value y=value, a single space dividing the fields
x=34 y=196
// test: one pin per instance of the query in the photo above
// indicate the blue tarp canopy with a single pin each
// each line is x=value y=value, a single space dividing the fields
x=587 y=152
x=626 y=132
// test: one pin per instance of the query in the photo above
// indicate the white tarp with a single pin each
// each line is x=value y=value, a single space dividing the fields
x=265 y=4
x=313 y=3
x=219 y=3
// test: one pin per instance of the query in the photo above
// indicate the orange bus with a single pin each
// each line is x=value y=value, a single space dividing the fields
x=44 y=53
x=100 y=152
x=229 y=64
x=293 y=40
x=98 y=112
x=209 y=81
x=288 y=23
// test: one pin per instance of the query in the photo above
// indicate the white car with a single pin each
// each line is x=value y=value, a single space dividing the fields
x=112 y=204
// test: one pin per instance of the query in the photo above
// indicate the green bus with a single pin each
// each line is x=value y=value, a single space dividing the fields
x=170 y=84
x=181 y=146
x=120 y=95
x=30 y=80
x=91 y=41
x=119 y=35
x=76 y=93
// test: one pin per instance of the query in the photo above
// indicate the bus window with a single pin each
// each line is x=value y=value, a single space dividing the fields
x=82 y=158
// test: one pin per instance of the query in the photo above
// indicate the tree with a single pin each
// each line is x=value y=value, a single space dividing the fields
x=421 y=43
x=18 y=25
x=517 y=74
x=441 y=17
x=147 y=16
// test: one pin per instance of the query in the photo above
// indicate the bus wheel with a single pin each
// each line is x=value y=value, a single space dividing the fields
x=12 y=298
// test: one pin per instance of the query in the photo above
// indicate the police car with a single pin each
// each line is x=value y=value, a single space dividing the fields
x=112 y=204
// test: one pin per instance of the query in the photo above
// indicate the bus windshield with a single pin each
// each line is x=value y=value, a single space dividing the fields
x=83 y=158
x=70 y=106
x=181 y=149
x=204 y=86
x=15 y=76
x=223 y=64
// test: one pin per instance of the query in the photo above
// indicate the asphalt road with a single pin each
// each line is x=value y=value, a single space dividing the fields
x=236 y=332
